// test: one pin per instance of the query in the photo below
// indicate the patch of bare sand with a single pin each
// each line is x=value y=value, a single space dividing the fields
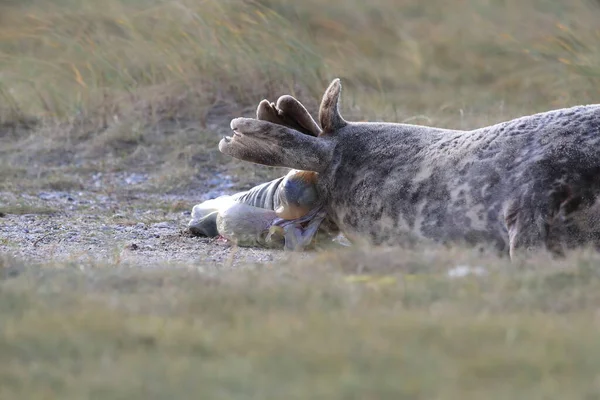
x=87 y=227
x=125 y=206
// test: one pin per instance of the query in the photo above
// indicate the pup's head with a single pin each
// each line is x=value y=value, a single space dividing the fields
x=297 y=194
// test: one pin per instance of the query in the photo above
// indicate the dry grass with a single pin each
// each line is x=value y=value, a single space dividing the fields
x=146 y=86
x=150 y=50
x=399 y=59
x=62 y=59
x=141 y=84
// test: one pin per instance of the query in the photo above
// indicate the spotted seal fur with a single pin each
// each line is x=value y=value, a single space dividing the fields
x=528 y=183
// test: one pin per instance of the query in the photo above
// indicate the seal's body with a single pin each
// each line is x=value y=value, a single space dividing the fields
x=526 y=183
x=515 y=183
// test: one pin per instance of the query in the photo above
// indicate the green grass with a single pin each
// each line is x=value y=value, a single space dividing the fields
x=303 y=331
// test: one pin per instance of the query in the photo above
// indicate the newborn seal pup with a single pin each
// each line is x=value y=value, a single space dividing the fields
x=285 y=212
x=528 y=183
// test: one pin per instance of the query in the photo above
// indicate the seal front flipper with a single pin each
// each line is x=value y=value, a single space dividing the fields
x=266 y=143
x=288 y=112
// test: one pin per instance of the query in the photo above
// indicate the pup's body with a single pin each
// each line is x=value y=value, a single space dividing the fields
x=526 y=183
x=285 y=212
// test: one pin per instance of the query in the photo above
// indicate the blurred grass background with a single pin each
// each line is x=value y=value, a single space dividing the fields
x=133 y=84
x=89 y=87
x=144 y=85
x=397 y=58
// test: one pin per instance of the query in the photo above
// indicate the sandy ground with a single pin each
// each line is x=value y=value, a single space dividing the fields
x=116 y=216
x=88 y=227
